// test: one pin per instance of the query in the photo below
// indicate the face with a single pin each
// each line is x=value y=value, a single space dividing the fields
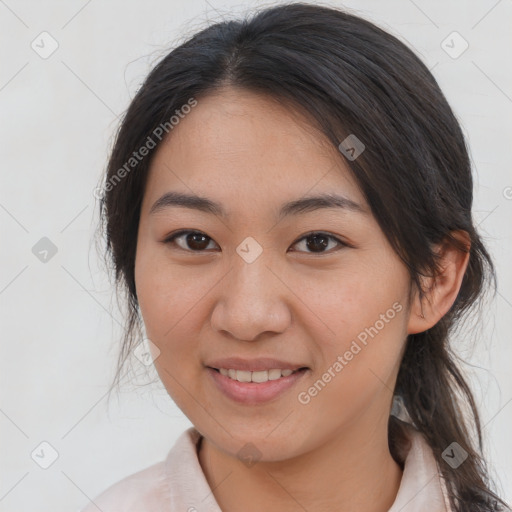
x=318 y=288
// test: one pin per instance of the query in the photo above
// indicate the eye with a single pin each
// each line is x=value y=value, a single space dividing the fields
x=316 y=241
x=196 y=241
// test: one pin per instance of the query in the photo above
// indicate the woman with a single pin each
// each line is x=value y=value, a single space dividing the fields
x=288 y=205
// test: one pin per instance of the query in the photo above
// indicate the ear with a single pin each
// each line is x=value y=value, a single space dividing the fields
x=441 y=291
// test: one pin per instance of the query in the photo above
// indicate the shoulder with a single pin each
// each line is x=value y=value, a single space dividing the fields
x=145 y=490
x=163 y=486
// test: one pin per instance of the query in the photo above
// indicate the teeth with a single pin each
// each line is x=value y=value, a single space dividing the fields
x=261 y=376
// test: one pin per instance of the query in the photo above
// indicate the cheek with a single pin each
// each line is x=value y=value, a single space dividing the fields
x=159 y=305
x=167 y=297
x=172 y=303
x=361 y=315
x=356 y=371
x=165 y=293
x=344 y=301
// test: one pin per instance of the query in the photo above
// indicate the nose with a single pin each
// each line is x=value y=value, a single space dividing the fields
x=252 y=300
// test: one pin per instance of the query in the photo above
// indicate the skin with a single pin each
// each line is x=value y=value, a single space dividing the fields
x=252 y=154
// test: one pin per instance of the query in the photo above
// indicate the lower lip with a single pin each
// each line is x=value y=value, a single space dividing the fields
x=252 y=392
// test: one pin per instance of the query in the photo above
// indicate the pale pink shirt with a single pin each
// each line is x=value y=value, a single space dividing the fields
x=178 y=483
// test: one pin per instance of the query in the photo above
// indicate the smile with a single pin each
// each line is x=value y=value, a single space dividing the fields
x=257 y=387
x=260 y=376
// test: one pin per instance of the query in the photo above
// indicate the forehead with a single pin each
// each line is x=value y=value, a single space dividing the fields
x=236 y=146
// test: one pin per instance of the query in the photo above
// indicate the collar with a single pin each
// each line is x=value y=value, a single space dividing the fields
x=422 y=488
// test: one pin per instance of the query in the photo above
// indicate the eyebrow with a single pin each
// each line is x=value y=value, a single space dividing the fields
x=298 y=206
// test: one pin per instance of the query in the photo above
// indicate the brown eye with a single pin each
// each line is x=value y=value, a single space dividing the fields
x=192 y=241
x=317 y=242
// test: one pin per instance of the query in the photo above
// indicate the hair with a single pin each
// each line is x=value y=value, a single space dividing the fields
x=347 y=76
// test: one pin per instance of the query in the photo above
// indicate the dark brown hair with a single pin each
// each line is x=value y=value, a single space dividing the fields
x=348 y=77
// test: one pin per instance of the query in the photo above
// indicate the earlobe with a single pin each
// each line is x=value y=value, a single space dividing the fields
x=440 y=292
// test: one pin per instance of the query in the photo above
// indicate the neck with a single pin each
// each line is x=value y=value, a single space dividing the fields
x=351 y=470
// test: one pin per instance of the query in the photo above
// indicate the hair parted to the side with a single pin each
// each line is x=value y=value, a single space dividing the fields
x=347 y=76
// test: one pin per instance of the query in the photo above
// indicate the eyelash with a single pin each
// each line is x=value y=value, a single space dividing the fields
x=170 y=240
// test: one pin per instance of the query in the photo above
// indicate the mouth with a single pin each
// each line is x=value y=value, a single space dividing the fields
x=258 y=377
x=255 y=388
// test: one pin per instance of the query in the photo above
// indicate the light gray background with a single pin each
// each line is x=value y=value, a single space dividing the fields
x=60 y=323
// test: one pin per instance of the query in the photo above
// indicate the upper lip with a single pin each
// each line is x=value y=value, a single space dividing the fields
x=253 y=365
